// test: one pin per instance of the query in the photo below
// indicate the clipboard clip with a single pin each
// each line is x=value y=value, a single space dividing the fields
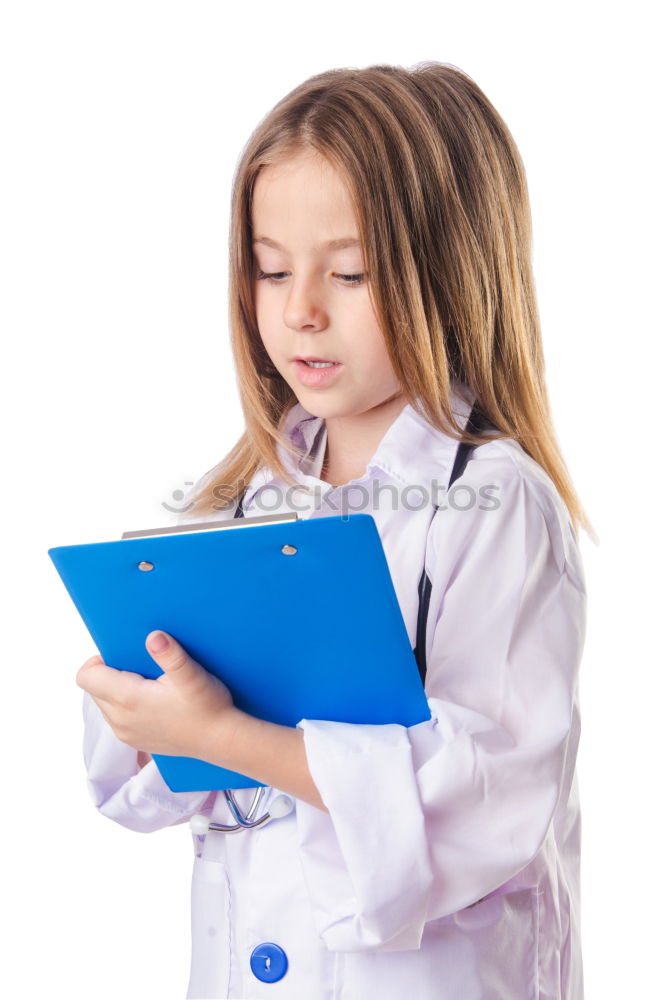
x=229 y=523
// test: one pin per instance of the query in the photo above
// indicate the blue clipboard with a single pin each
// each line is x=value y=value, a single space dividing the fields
x=298 y=617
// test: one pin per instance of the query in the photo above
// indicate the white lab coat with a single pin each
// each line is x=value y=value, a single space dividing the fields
x=447 y=866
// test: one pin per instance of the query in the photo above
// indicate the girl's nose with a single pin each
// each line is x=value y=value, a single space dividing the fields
x=304 y=306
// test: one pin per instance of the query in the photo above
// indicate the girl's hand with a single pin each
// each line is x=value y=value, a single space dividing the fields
x=178 y=713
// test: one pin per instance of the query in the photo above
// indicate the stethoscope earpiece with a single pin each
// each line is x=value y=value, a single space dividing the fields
x=199 y=824
x=281 y=806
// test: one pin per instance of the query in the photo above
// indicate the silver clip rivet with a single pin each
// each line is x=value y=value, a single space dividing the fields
x=144 y=565
x=288 y=550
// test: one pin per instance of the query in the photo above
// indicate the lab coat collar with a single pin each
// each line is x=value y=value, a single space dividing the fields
x=412 y=451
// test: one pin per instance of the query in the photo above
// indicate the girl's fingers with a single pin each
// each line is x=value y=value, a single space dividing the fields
x=93 y=661
x=106 y=682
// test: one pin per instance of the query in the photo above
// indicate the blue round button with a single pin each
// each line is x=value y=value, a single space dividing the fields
x=268 y=962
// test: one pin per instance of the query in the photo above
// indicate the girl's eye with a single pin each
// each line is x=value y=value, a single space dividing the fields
x=275 y=276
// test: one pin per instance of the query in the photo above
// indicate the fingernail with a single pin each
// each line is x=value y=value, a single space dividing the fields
x=158 y=642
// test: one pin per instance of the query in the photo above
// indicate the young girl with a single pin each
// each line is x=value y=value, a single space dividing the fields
x=387 y=343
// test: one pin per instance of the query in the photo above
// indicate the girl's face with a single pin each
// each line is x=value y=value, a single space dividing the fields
x=316 y=302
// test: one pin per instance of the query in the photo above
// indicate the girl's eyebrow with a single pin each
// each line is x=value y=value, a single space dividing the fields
x=340 y=244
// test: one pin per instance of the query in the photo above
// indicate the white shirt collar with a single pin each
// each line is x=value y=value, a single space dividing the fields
x=411 y=451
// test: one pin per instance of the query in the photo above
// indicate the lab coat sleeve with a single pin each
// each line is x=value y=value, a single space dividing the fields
x=135 y=797
x=426 y=820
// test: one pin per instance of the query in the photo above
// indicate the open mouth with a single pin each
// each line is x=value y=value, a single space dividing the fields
x=314 y=372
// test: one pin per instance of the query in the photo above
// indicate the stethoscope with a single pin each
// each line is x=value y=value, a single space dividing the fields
x=281 y=806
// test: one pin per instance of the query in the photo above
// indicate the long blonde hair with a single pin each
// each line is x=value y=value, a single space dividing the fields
x=441 y=202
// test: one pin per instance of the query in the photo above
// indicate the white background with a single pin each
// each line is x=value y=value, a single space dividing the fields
x=121 y=124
